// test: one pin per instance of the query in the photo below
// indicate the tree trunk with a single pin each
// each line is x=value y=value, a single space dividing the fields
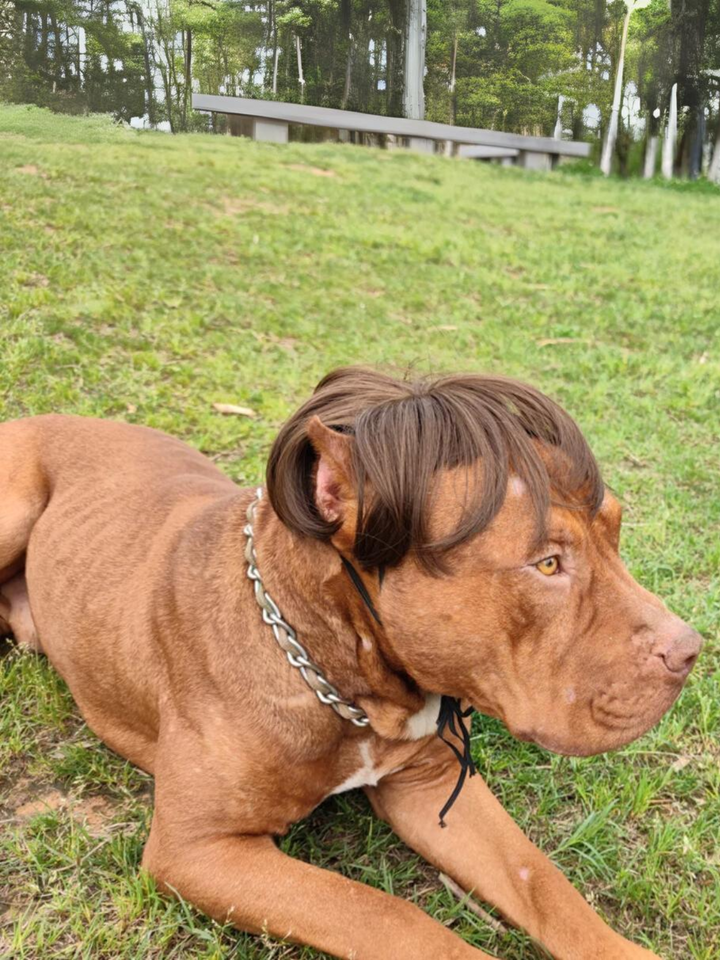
x=149 y=71
x=713 y=173
x=668 y=154
x=697 y=140
x=650 y=156
x=454 y=64
x=187 y=91
x=301 y=77
x=415 y=36
x=276 y=48
x=58 y=53
x=453 y=79
x=610 y=140
x=348 y=73
x=557 y=132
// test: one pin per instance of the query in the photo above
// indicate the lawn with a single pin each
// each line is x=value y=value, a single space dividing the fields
x=145 y=278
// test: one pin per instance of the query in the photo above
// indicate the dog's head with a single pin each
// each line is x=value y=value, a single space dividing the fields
x=480 y=500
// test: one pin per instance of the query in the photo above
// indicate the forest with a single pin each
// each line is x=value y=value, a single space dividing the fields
x=529 y=66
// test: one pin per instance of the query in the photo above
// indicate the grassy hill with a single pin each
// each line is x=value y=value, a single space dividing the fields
x=145 y=277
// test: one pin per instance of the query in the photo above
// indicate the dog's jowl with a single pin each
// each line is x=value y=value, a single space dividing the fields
x=419 y=548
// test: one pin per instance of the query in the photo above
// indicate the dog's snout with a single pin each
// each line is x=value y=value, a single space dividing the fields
x=680 y=652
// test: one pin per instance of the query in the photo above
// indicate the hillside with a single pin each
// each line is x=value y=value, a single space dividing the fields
x=147 y=277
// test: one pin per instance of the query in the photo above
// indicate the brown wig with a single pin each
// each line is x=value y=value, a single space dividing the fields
x=405 y=431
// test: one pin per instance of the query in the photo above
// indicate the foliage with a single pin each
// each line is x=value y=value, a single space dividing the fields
x=501 y=64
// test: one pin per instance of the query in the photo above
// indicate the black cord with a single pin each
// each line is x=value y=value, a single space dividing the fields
x=451 y=718
x=451 y=715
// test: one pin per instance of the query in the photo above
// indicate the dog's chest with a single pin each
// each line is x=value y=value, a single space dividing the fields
x=367 y=775
x=371 y=763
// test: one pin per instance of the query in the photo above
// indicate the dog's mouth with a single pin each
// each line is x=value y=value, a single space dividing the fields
x=599 y=739
x=608 y=720
x=567 y=749
x=549 y=743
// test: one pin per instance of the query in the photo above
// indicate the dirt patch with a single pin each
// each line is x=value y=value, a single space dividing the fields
x=28 y=800
x=46 y=803
x=31 y=170
x=285 y=343
x=232 y=206
x=315 y=171
x=95 y=813
x=36 y=280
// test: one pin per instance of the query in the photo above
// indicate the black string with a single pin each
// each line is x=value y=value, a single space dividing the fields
x=361 y=588
x=451 y=718
x=451 y=715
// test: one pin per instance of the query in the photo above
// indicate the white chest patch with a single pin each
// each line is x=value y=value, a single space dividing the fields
x=424 y=722
x=421 y=724
x=367 y=776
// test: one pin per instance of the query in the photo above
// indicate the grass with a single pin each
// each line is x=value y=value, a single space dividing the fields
x=145 y=278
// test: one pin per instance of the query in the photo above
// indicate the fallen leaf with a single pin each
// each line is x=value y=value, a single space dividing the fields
x=131 y=408
x=446 y=327
x=231 y=410
x=635 y=461
x=680 y=763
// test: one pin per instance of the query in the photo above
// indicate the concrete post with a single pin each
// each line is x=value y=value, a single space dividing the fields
x=273 y=131
x=258 y=128
x=535 y=161
x=421 y=144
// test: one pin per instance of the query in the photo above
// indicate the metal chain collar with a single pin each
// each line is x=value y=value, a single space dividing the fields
x=287 y=638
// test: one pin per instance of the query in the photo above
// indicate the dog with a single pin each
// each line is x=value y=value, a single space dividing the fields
x=421 y=547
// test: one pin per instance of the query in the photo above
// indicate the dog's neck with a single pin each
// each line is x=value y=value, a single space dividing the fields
x=307 y=580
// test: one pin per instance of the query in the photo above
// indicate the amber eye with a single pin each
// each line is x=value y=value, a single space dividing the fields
x=549 y=566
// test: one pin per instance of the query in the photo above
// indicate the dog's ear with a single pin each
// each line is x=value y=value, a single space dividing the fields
x=334 y=477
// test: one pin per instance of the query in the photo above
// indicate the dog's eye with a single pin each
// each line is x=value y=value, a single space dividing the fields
x=549 y=566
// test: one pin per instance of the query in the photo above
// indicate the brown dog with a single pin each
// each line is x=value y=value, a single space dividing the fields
x=446 y=538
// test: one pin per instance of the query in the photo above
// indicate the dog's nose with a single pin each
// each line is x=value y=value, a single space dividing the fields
x=680 y=652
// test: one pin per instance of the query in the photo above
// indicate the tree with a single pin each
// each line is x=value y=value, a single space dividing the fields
x=415 y=39
x=503 y=64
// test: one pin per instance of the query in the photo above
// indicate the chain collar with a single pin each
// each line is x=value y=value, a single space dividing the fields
x=451 y=717
x=287 y=638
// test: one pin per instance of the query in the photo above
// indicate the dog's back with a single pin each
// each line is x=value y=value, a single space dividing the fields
x=91 y=513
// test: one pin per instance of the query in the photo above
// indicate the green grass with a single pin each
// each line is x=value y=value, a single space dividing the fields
x=145 y=277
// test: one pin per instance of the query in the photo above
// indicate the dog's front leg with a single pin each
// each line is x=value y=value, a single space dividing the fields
x=487 y=854
x=250 y=883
